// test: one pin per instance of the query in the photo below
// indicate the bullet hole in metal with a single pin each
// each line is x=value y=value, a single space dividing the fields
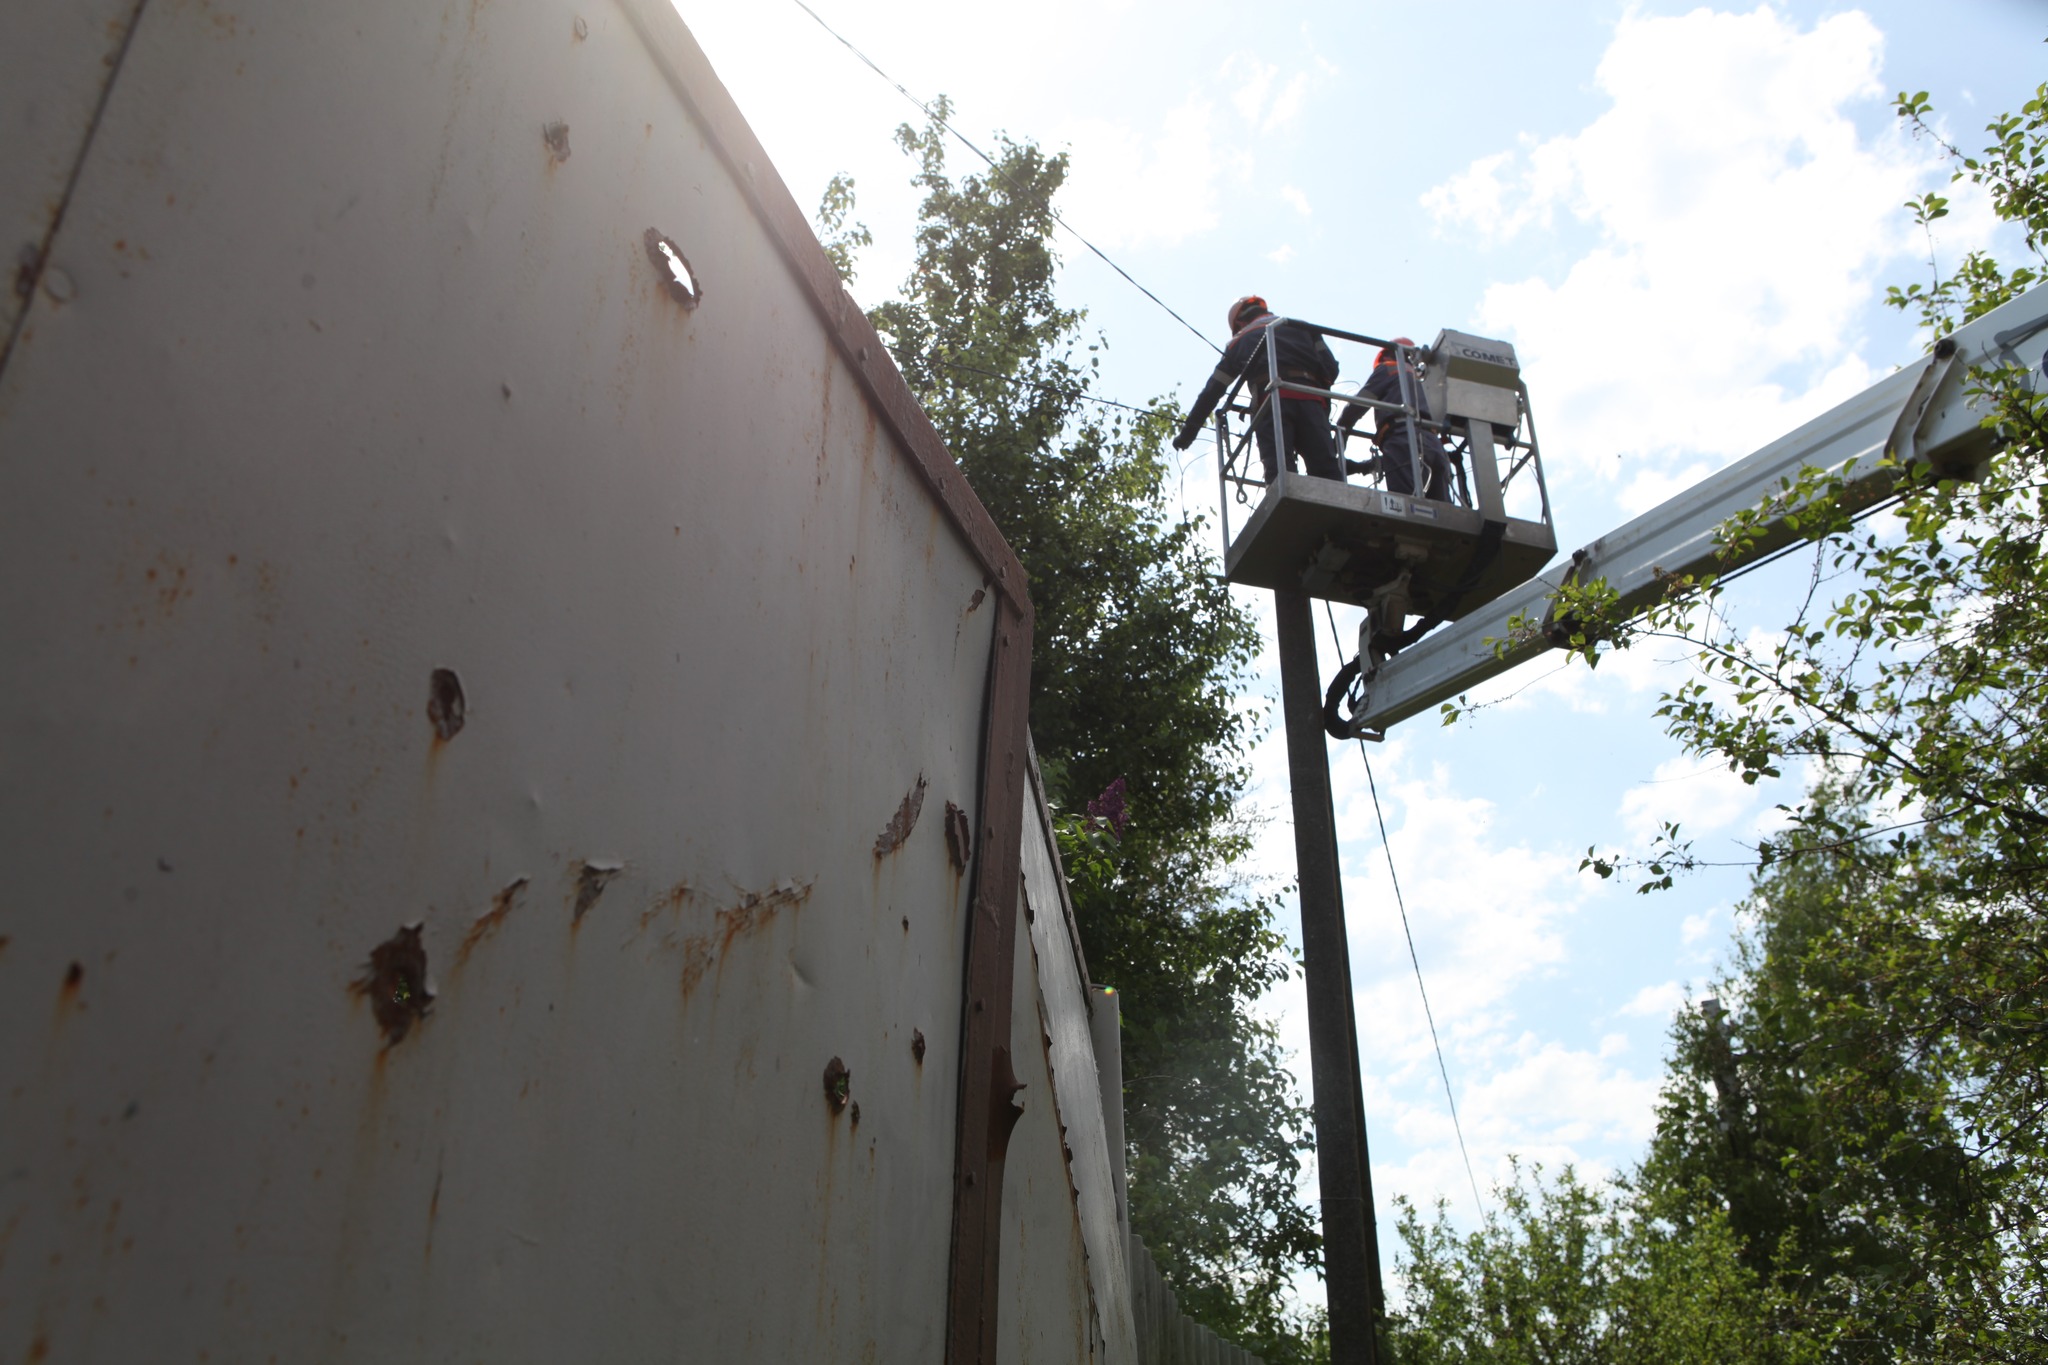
x=906 y=924
x=591 y=880
x=838 y=1085
x=917 y=1045
x=74 y=976
x=676 y=274
x=959 y=837
x=395 y=983
x=506 y=390
x=581 y=29
x=132 y=1110
x=902 y=822
x=446 y=706
x=556 y=135
x=853 y=1113
x=974 y=602
x=163 y=865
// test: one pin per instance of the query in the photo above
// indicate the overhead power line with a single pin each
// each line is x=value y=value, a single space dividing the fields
x=1414 y=960
x=932 y=114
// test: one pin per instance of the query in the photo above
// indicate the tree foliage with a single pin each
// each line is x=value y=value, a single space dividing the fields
x=1137 y=657
x=1564 y=1273
x=1861 y=1129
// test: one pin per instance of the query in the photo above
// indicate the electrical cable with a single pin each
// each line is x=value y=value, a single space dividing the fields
x=1414 y=959
x=1040 y=384
x=929 y=113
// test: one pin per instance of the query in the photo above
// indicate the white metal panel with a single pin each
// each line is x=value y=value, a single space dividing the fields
x=1679 y=535
x=361 y=379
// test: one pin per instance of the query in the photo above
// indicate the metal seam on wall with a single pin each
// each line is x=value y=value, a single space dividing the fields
x=972 y=1280
x=32 y=274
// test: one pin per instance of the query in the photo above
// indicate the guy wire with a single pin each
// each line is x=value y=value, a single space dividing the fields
x=1414 y=960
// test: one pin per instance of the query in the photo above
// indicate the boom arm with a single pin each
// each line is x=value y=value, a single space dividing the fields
x=1919 y=413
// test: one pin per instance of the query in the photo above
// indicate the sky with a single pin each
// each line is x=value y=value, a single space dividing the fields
x=1683 y=217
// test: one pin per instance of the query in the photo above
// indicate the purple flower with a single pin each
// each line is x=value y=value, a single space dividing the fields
x=1109 y=808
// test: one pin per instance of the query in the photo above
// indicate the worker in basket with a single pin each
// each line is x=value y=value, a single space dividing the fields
x=1305 y=418
x=1391 y=428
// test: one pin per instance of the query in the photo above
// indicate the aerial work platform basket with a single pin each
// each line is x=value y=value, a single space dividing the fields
x=1366 y=540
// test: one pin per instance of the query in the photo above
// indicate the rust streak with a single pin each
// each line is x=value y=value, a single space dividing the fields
x=501 y=906
x=672 y=900
x=67 y=994
x=753 y=911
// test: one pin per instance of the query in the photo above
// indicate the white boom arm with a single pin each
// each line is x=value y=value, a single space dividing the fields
x=1921 y=412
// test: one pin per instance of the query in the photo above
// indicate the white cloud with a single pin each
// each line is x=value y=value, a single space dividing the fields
x=1255 y=82
x=1296 y=198
x=1487 y=911
x=1559 y=1095
x=1281 y=255
x=1696 y=927
x=1740 y=225
x=1287 y=105
x=1699 y=794
x=1256 y=98
x=1150 y=188
x=1655 y=1002
x=1623 y=674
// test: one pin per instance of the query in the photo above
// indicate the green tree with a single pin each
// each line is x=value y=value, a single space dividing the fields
x=1824 y=1129
x=1872 y=1112
x=1564 y=1273
x=1137 y=659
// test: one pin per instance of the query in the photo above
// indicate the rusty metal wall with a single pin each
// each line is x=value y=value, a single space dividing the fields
x=481 y=726
x=1066 y=1291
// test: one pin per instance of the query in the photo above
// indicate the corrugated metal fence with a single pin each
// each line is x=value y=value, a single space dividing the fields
x=1166 y=1336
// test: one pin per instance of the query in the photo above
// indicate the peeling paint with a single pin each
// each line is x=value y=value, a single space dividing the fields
x=959 y=837
x=591 y=880
x=556 y=136
x=901 y=823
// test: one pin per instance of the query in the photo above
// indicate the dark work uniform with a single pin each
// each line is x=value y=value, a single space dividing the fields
x=1391 y=435
x=1305 y=358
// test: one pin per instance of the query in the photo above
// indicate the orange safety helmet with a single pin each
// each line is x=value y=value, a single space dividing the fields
x=1386 y=355
x=1248 y=304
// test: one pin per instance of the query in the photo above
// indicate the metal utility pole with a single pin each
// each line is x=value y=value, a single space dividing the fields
x=1351 y=1266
